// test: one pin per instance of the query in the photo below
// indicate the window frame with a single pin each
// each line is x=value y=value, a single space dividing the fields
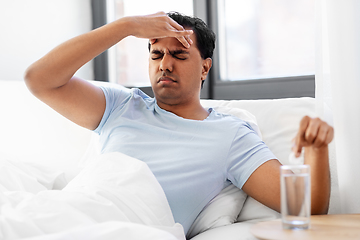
x=261 y=88
x=214 y=87
x=101 y=62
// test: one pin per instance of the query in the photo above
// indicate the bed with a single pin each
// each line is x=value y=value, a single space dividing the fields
x=54 y=187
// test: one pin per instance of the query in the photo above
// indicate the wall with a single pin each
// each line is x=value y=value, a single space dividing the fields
x=29 y=29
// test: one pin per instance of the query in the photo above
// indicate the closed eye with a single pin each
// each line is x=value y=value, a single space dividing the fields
x=155 y=55
x=180 y=54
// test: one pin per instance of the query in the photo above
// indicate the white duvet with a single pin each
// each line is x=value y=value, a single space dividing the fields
x=115 y=197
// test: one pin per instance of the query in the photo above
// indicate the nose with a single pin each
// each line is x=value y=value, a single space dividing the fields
x=166 y=64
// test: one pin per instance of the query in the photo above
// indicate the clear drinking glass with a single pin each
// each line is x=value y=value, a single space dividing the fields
x=295 y=196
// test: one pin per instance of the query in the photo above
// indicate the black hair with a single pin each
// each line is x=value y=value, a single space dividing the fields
x=205 y=37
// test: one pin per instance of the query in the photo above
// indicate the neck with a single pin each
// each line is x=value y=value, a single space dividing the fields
x=192 y=111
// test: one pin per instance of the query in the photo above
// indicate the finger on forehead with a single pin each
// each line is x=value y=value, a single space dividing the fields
x=175 y=25
x=187 y=37
x=183 y=41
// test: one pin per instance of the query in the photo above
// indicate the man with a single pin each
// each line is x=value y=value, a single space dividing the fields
x=193 y=152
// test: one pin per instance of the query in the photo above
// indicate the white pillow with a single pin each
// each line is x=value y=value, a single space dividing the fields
x=37 y=134
x=222 y=210
x=253 y=211
x=16 y=174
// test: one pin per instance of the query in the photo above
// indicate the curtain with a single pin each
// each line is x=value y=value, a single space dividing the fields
x=337 y=78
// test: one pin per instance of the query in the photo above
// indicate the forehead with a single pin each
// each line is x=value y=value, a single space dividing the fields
x=171 y=44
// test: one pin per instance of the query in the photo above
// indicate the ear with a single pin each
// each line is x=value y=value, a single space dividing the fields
x=207 y=63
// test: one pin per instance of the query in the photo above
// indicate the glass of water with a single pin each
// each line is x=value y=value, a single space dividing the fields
x=295 y=196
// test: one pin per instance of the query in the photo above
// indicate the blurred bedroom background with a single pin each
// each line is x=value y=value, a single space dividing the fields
x=266 y=49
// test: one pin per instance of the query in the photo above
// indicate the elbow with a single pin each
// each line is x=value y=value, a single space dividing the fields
x=30 y=78
x=40 y=79
x=33 y=79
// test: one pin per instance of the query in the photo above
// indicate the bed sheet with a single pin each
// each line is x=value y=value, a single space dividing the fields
x=115 y=196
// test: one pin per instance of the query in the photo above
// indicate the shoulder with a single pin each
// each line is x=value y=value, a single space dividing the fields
x=123 y=102
x=118 y=94
x=111 y=89
x=240 y=117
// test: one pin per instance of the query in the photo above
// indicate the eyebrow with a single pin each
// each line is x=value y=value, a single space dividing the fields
x=156 y=52
x=180 y=51
x=174 y=52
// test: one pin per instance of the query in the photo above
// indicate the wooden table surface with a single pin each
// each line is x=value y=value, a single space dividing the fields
x=336 y=226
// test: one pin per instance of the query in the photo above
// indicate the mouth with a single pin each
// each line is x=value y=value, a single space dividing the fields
x=166 y=79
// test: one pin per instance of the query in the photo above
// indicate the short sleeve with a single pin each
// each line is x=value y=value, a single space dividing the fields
x=115 y=96
x=246 y=154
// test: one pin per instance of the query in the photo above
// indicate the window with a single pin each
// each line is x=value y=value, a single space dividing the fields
x=264 y=48
x=252 y=34
x=128 y=60
x=266 y=38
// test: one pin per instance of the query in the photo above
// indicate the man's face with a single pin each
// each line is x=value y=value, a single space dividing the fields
x=176 y=72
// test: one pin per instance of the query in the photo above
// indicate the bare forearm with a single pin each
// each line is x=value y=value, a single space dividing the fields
x=61 y=63
x=318 y=159
x=315 y=135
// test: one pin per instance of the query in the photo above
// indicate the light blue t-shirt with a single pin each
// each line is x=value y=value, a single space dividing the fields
x=192 y=160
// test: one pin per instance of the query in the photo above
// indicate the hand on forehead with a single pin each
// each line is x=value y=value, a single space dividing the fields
x=160 y=25
x=186 y=41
